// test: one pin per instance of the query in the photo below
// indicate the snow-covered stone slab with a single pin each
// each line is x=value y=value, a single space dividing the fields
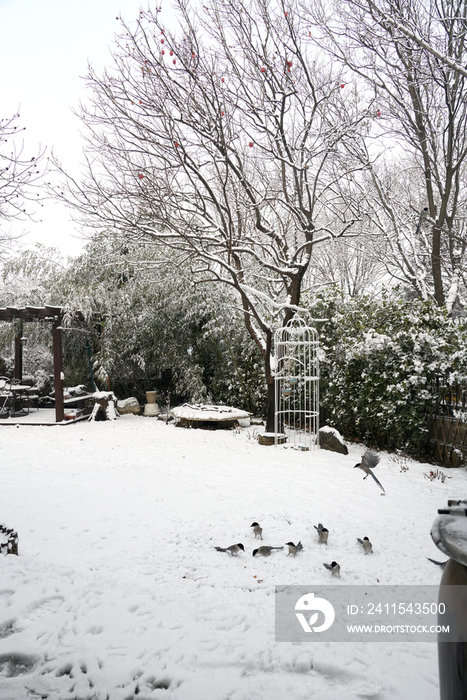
x=189 y=414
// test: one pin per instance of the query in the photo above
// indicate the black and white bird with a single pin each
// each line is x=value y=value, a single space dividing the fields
x=257 y=529
x=233 y=549
x=369 y=462
x=424 y=214
x=442 y=564
x=334 y=568
x=294 y=548
x=323 y=533
x=366 y=544
x=264 y=550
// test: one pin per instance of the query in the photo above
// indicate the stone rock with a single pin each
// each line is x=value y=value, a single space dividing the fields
x=331 y=439
x=129 y=405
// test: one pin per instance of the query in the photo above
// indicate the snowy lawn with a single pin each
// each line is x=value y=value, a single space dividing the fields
x=119 y=594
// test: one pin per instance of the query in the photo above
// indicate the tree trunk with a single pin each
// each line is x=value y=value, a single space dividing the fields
x=436 y=267
x=271 y=406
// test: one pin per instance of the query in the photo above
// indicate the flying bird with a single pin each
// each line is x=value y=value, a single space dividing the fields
x=264 y=550
x=366 y=544
x=369 y=462
x=294 y=548
x=257 y=529
x=323 y=533
x=334 y=568
x=233 y=549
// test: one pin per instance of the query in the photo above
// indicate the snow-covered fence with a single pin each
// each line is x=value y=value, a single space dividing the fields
x=448 y=440
x=447 y=429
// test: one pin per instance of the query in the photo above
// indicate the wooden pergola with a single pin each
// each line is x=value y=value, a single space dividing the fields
x=53 y=315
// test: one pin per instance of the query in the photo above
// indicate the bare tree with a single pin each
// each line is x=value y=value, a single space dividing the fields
x=406 y=56
x=354 y=265
x=227 y=142
x=403 y=24
x=19 y=175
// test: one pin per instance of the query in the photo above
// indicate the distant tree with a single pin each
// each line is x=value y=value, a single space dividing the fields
x=229 y=142
x=19 y=175
x=393 y=15
x=408 y=58
x=354 y=265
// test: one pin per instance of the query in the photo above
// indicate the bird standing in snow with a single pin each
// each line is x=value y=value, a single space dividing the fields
x=334 y=568
x=264 y=550
x=233 y=549
x=366 y=544
x=323 y=533
x=369 y=462
x=257 y=529
x=294 y=548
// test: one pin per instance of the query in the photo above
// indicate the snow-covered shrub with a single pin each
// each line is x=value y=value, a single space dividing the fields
x=383 y=360
x=144 y=322
x=43 y=382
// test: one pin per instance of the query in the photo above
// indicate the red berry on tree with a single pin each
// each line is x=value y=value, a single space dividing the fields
x=263 y=70
x=141 y=176
x=342 y=85
x=251 y=144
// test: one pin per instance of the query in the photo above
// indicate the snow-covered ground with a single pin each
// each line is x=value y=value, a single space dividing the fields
x=119 y=594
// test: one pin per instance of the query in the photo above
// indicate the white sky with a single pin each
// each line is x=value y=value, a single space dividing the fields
x=44 y=49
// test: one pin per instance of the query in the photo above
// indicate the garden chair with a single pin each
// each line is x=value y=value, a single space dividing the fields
x=5 y=396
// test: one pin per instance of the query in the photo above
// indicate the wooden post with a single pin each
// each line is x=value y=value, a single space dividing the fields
x=58 y=369
x=452 y=656
x=19 y=355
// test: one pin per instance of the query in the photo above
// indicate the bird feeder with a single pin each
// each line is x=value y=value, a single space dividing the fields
x=296 y=413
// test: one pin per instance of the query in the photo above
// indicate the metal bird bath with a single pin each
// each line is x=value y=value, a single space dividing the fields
x=297 y=384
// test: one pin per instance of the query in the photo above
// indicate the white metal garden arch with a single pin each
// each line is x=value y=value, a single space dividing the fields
x=296 y=418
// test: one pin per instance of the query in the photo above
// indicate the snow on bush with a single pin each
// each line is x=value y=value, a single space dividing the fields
x=383 y=366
